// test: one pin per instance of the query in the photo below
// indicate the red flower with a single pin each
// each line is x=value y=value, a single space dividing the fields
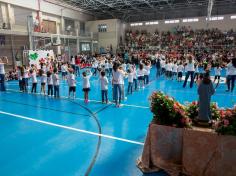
x=226 y=122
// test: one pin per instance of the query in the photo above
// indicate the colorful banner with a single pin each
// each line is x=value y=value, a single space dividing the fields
x=40 y=56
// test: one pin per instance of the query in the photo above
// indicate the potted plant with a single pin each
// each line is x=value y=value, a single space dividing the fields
x=165 y=135
x=209 y=153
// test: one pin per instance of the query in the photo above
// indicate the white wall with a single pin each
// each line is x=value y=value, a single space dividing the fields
x=105 y=38
x=51 y=8
x=16 y=12
x=225 y=24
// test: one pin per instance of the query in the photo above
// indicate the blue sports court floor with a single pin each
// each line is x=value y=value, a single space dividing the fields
x=44 y=136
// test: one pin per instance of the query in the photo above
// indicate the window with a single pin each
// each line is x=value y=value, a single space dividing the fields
x=217 y=18
x=171 y=21
x=151 y=23
x=233 y=17
x=85 y=47
x=102 y=28
x=82 y=27
x=136 y=24
x=190 y=20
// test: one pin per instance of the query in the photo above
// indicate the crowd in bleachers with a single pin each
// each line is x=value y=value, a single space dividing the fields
x=182 y=39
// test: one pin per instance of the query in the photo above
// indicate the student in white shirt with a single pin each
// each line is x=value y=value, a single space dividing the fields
x=117 y=77
x=123 y=76
x=25 y=78
x=2 y=73
x=196 y=73
x=189 y=68
x=174 y=70
x=50 y=83
x=163 y=67
x=34 y=80
x=231 y=74
x=95 y=67
x=180 y=71
x=19 y=75
x=140 y=74
x=56 y=83
x=104 y=87
x=130 y=81
x=110 y=65
x=217 y=74
x=71 y=83
x=43 y=78
x=135 y=77
x=147 y=67
x=106 y=67
x=86 y=84
x=64 y=71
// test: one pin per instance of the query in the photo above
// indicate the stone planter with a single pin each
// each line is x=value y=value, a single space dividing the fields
x=162 y=150
x=208 y=154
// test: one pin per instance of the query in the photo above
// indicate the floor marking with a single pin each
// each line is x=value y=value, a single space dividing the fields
x=97 y=101
x=71 y=128
x=41 y=107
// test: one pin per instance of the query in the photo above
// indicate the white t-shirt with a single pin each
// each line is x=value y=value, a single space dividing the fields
x=44 y=68
x=106 y=66
x=174 y=68
x=104 y=83
x=71 y=80
x=124 y=67
x=34 y=77
x=131 y=77
x=2 y=69
x=43 y=78
x=180 y=68
x=140 y=72
x=190 y=66
x=217 y=71
x=26 y=73
x=19 y=74
x=86 y=82
x=231 y=69
x=72 y=61
x=135 y=73
x=55 y=79
x=196 y=69
x=118 y=77
x=110 y=65
x=63 y=68
x=147 y=68
x=169 y=67
x=50 y=80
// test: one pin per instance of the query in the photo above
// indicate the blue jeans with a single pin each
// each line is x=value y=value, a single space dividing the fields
x=158 y=72
x=25 y=84
x=77 y=71
x=146 y=79
x=189 y=73
x=117 y=93
x=56 y=91
x=104 y=95
x=2 y=82
x=130 y=87
x=231 y=81
x=135 y=84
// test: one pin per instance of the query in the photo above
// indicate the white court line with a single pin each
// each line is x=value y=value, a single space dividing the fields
x=128 y=105
x=71 y=128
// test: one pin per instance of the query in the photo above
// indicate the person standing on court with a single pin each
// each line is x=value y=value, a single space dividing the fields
x=189 y=68
x=2 y=73
x=205 y=91
x=158 y=67
x=231 y=68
